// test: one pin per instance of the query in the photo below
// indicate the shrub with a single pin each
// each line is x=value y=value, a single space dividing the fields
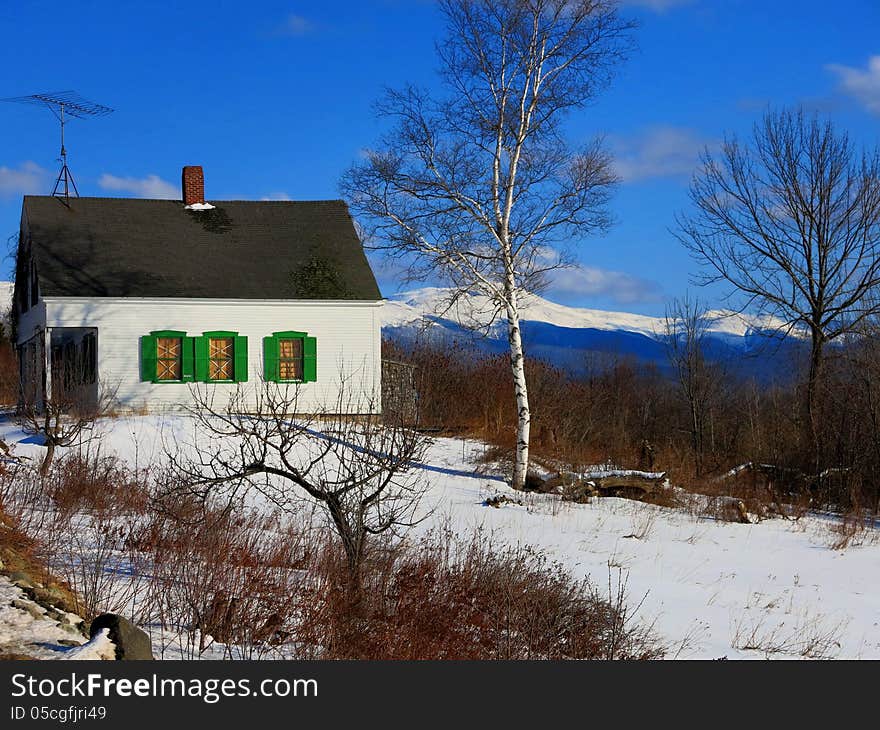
x=445 y=598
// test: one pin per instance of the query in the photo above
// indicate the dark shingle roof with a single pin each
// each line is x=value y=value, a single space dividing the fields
x=120 y=247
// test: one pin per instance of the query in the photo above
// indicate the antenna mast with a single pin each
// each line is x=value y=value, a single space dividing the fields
x=59 y=103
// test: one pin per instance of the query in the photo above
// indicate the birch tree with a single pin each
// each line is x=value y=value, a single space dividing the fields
x=790 y=220
x=476 y=184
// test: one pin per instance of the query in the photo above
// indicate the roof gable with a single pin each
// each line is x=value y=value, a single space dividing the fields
x=121 y=247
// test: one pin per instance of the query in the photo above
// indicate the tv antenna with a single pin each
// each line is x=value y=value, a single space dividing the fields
x=63 y=104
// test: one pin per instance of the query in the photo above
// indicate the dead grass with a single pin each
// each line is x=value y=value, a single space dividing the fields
x=808 y=636
x=448 y=598
x=20 y=554
x=854 y=529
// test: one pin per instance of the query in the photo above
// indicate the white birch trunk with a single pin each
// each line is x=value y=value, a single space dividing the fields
x=517 y=366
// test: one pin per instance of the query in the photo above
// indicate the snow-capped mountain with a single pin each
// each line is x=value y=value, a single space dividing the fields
x=572 y=337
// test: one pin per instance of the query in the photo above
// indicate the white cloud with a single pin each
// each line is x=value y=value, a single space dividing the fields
x=657 y=153
x=151 y=186
x=590 y=281
x=863 y=84
x=27 y=178
x=276 y=196
x=658 y=6
x=296 y=25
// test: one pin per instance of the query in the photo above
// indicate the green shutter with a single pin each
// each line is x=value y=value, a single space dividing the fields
x=241 y=359
x=149 y=357
x=200 y=350
x=310 y=359
x=188 y=371
x=270 y=359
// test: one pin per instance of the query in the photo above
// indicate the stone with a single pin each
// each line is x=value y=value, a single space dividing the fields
x=578 y=490
x=131 y=642
x=731 y=509
x=32 y=608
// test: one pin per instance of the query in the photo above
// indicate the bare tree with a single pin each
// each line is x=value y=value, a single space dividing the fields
x=700 y=383
x=479 y=186
x=358 y=468
x=66 y=415
x=791 y=221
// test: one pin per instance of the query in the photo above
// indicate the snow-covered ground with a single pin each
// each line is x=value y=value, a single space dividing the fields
x=26 y=629
x=711 y=589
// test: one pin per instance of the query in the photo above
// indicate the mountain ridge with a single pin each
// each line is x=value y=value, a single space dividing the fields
x=569 y=337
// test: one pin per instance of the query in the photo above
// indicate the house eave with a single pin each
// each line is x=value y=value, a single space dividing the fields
x=217 y=302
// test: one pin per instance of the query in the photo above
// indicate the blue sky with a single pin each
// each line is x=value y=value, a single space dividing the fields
x=274 y=99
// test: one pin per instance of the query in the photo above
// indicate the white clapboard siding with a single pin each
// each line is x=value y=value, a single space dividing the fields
x=31 y=321
x=348 y=341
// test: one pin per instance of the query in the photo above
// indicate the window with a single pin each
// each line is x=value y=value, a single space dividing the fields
x=166 y=357
x=169 y=358
x=221 y=361
x=290 y=357
x=221 y=357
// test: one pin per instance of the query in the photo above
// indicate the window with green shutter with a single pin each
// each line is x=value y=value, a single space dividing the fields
x=290 y=357
x=167 y=356
x=221 y=357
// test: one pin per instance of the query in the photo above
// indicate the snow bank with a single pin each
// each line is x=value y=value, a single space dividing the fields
x=98 y=647
x=28 y=633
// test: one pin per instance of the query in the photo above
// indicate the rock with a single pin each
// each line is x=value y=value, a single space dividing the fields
x=32 y=608
x=575 y=489
x=731 y=509
x=581 y=492
x=534 y=482
x=68 y=642
x=131 y=642
x=570 y=486
x=499 y=499
x=628 y=483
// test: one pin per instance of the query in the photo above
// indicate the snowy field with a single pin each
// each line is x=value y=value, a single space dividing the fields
x=710 y=589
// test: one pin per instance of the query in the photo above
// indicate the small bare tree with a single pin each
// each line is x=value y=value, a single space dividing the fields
x=791 y=221
x=66 y=415
x=700 y=382
x=479 y=187
x=359 y=469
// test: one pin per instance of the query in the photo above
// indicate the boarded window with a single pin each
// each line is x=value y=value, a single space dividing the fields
x=290 y=359
x=221 y=360
x=169 y=358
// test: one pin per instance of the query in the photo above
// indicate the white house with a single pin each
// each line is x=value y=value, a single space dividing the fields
x=148 y=297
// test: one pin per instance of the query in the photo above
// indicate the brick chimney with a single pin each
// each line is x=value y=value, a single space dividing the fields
x=193 y=184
